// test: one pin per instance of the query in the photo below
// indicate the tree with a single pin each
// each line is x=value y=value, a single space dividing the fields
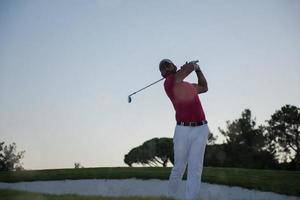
x=78 y=165
x=9 y=158
x=211 y=138
x=215 y=156
x=283 y=132
x=243 y=131
x=154 y=152
x=229 y=155
x=245 y=144
x=164 y=150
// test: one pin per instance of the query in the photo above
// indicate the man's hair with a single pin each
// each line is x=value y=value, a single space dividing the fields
x=163 y=62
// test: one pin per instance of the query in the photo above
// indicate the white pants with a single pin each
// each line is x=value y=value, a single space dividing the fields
x=189 y=147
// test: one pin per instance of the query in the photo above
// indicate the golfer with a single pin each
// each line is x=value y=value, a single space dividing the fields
x=191 y=131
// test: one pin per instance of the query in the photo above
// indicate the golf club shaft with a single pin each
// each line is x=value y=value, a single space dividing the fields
x=129 y=96
x=147 y=86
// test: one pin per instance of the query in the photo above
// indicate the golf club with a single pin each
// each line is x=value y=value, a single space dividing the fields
x=129 y=97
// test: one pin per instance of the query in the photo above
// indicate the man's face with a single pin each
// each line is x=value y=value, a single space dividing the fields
x=168 y=68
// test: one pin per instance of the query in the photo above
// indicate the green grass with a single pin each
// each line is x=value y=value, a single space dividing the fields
x=284 y=182
x=20 y=195
x=87 y=173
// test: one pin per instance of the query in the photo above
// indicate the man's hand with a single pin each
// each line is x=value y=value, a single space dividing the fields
x=201 y=87
x=196 y=66
x=184 y=71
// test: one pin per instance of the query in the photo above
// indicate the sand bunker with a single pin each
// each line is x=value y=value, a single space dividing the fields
x=136 y=187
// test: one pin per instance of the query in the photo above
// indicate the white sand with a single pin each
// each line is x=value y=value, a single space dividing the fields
x=136 y=187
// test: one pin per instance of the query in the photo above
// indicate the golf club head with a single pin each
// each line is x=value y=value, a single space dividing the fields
x=129 y=99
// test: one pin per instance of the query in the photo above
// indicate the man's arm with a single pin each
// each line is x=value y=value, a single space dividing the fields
x=184 y=71
x=201 y=87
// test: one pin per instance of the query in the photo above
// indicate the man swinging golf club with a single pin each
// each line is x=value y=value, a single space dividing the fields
x=191 y=131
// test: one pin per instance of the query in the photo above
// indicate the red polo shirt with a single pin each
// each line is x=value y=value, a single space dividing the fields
x=185 y=100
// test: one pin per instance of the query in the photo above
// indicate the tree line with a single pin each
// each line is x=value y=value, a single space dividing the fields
x=274 y=145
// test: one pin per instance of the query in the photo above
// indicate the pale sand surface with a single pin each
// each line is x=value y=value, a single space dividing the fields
x=136 y=187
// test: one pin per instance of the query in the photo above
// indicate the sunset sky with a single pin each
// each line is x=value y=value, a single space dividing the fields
x=67 y=67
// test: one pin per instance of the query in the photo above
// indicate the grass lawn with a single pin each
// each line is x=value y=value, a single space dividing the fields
x=284 y=182
x=19 y=195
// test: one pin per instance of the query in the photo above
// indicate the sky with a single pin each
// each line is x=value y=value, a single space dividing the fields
x=67 y=68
